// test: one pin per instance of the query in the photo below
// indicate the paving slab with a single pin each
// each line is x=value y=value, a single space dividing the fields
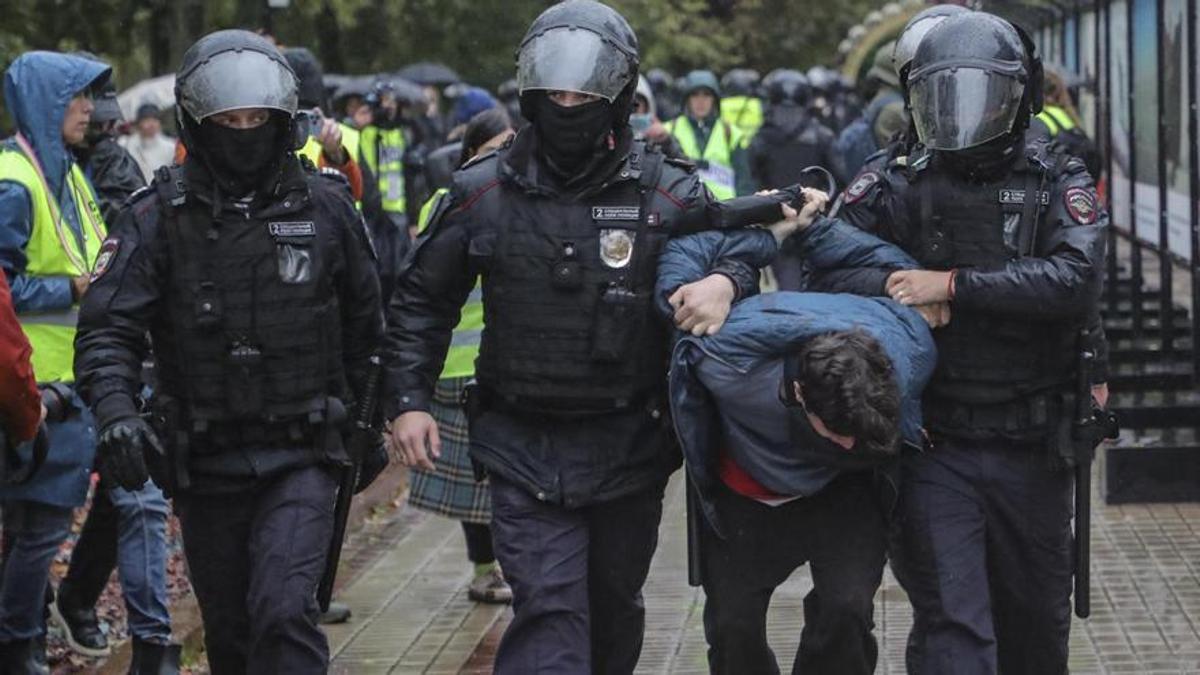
x=411 y=613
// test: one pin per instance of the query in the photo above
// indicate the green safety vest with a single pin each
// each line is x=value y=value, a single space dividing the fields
x=745 y=113
x=719 y=175
x=54 y=251
x=1056 y=119
x=385 y=155
x=351 y=141
x=464 y=345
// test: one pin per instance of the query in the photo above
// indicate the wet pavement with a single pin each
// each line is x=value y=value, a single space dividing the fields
x=411 y=613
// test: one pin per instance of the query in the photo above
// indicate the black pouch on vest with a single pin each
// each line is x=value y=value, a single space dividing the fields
x=294 y=260
x=207 y=307
x=244 y=380
x=617 y=323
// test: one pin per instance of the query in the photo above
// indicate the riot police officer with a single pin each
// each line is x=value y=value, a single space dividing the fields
x=564 y=224
x=253 y=276
x=1012 y=238
x=790 y=140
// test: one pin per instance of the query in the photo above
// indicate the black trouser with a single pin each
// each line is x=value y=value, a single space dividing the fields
x=576 y=576
x=94 y=556
x=479 y=543
x=840 y=532
x=984 y=552
x=255 y=559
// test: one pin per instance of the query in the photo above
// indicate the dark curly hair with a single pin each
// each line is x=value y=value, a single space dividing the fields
x=847 y=381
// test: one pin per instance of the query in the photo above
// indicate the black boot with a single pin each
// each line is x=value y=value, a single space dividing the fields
x=20 y=657
x=151 y=658
x=79 y=624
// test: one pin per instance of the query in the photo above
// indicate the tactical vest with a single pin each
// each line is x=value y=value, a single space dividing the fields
x=255 y=346
x=985 y=358
x=54 y=251
x=717 y=153
x=568 y=298
x=384 y=153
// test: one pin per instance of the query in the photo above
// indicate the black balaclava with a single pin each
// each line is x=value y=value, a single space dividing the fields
x=570 y=137
x=243 y=159
x=989 y=160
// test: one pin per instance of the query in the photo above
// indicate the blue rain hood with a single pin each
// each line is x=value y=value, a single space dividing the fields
x=38 y=88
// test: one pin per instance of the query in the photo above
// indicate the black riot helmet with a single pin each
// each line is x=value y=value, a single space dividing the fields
x=581 y=46
x=785 y=85
x=232 y=70
x=823 y=80
x=660 y=81
x=914 y=31
x=973 y=80
x=740 y=82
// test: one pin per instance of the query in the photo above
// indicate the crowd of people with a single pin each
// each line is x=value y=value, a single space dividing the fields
x=553 y=298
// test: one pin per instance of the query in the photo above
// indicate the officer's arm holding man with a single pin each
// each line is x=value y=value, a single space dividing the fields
x=440 y=275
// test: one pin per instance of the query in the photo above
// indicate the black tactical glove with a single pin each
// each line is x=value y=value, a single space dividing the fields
x=123 y=447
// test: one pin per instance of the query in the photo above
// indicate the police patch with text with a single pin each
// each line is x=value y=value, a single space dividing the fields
x=108 y=252
x=1081 y=204
x=293 y=229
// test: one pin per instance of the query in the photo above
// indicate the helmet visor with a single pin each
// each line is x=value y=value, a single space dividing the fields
x=961 y=107
x=237 y=79
x=573 y=59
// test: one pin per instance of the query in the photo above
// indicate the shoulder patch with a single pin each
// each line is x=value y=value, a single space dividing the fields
x=1081 y=204
x=108 y=252
x=861 y=186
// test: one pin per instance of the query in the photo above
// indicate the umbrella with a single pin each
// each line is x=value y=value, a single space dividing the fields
x=157 y=90
x=406 y=91
x=429 y=73
x=355 y=85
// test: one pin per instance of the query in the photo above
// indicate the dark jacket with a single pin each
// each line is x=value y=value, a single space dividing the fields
x=1057 y=285
x=566 y=461
x=789 y=141
x=763 y=329
x=114 y=175
x=126 y=298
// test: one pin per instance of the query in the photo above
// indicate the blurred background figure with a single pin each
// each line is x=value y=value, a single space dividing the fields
x=712 y=143
x=884 y=118
x=148 y=145
x=740 y=105
x=646 y=124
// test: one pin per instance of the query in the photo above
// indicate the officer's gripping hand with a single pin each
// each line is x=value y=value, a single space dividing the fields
x=408 y=436
x=936 y=314
x=701 y=307
x=919 y=287
x=123 y=446
x=793 y=221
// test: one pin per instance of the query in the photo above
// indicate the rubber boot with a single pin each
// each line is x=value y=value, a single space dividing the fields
x=152 y=658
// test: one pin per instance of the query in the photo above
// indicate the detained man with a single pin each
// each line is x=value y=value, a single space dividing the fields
x=791 y=419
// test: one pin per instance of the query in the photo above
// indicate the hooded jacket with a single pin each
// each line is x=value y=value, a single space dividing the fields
x=38 y=88
x=761 y=330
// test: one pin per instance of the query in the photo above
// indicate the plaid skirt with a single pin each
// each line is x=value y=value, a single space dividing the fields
x=451 y=490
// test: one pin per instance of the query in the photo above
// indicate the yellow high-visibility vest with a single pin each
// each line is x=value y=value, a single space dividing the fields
x=745 y=113
x=384 y=152
x=719 y=175
x=1056 y=119
x=351 y=139
x=54 y=251
x=464 y=345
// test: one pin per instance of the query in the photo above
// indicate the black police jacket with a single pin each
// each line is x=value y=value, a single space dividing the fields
x=237 y=348
x=1017 y=313
x=504 y=215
